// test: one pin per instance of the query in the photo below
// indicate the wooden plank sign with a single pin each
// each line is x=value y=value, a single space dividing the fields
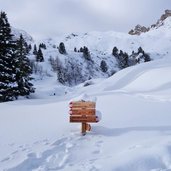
x=83 y=112
x=78 y=111
x=82 y=104
x=76 y=119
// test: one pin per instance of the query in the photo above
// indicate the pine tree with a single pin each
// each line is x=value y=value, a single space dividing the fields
x=62 y=49
x=30 y=47
x=115 y=51
x=123 y=60
x=140 y=50
x=103 y=66
x=147 y=57
x=35 y=50
x=75 y=49
x=42 y=45
x=39 y=56
x=81 y=49
x=22 y=69
x=86 y=53
x=7 y=46
x=14 y=65
x=142 y=56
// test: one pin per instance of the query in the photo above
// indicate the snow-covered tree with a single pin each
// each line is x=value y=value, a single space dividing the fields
x=35 y=50
x=103 y=66
x=61 y=48
x=75 y=49
x=14 y=65
x=7 y=46
x=115 y=51
x=22 y=69
x=86 y=53
x=42 y=45
x=39 y=56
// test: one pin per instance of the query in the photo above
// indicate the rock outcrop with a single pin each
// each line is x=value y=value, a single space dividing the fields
x=142 y=29
x=138 y=30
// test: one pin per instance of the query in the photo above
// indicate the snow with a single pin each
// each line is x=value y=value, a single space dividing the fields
x=17 y=33
x=134 y=133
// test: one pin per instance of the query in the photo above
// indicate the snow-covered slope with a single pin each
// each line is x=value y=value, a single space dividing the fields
x=134 y=133
x=18 y=32
x=105 y=41
x=156 y=42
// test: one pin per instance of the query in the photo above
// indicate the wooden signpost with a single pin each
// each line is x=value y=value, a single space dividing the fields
x=83 y=112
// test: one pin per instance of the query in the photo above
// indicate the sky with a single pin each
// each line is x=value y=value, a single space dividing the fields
x=48 y=18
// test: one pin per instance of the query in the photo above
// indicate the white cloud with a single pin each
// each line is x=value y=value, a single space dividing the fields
x=47 y=17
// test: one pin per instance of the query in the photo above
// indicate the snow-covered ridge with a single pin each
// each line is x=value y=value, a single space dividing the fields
x=18 y=32
x=156 y=43
x=105 y=41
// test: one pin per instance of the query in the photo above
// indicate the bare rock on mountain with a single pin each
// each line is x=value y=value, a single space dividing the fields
x=138 y=30
x=166 y=15
x=142 y=29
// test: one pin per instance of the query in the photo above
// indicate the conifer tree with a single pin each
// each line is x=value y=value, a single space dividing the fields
x=103 y=66
x=42 y=45
x=22 y=69
x=14 y=65
x=86 y=53
x=115 y=51
x=39 y=56
x=75 y=49
x=81 y=49
x=7 y=45
x=30 y=47
x=62 y=49
x=35 y=50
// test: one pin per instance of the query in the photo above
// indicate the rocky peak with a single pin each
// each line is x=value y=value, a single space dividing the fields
x=166 y=15
x=138 y=30
x=142 y=29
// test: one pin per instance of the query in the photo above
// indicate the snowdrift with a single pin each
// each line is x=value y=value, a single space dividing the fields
x=133 y=135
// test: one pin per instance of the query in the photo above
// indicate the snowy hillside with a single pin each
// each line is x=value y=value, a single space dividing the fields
x=134 y=133
x=17 y=33
x=105 y=41
x=156 y=43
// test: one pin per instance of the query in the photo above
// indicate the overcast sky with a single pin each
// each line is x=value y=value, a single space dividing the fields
x=43 y=18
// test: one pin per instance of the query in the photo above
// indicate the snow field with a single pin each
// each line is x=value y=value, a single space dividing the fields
x=134 y=133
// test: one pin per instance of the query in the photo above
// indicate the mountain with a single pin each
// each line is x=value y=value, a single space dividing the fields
x=155 y=42
x=134 y=133
x=18 y=32
x=142 y=29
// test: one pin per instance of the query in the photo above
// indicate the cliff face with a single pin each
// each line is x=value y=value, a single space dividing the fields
x=142 y=29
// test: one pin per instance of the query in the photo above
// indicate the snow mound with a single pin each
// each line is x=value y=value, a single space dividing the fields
x=153 y=76
x=133 y=135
